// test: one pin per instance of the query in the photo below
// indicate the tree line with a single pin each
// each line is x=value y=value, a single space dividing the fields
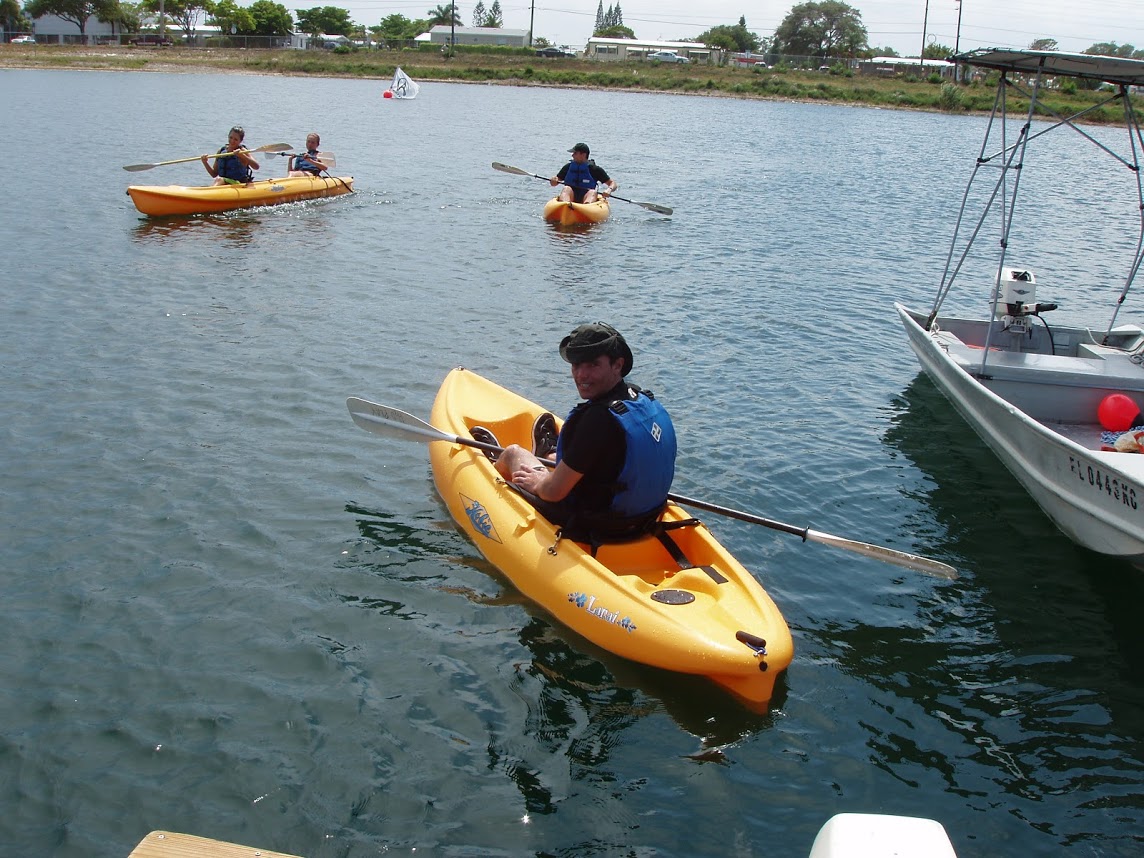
x=823 y=29
x=260 y=18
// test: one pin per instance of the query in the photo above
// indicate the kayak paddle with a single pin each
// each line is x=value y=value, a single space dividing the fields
x=516 y=171
x=389 y=421
x=326 y=158
x=269 y=147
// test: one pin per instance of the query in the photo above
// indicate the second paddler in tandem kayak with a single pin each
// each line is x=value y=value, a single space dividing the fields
x=615 y=456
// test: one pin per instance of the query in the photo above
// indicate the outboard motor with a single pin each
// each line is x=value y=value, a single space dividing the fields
x=1017 y=291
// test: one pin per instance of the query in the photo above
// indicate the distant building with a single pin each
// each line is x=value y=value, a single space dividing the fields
x=890 y=66
x=51 y=29
x=442 y=33
x=638 y=49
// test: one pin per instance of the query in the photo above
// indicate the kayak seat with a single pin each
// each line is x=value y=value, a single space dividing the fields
x=598 y=532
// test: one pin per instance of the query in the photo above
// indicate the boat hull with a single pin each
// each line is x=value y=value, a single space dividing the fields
x=1034 y=412
x=166 y=200
x=631 y=599
x=566 y=214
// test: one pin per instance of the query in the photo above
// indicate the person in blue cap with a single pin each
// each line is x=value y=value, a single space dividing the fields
x=581 y=176
x=615 y=455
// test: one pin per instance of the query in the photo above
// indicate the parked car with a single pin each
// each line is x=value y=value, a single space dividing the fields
x=152 y=40
x=667 y=57
x=24 y=40
x=749 y=60
x=552 y=51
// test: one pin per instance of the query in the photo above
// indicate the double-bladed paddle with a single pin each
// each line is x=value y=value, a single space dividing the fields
x=516 y=171
x=389 y=421
x=269 y=147
x=326 y=158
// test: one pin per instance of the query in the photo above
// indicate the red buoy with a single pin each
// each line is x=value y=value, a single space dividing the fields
x=387 y=94
x=1118 y=413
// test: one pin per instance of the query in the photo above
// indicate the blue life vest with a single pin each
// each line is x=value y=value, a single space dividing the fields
x=232 y=168
x=649 y=460
x=305 y=164
x=579 y=176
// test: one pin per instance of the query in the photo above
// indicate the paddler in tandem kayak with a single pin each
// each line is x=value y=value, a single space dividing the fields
x=308 y=163
x=615 y=456
x=233 y=169
x=580 y=176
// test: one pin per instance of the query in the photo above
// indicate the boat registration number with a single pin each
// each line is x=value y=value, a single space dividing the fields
x=1102 y=482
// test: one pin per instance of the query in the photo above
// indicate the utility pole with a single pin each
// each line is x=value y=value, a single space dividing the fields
x=531 y=18
x=922 y=56
x=957 y=45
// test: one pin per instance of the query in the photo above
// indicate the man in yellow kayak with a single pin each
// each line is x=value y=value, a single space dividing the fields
x=233 y=169
x=580 y=177
x=615 y=457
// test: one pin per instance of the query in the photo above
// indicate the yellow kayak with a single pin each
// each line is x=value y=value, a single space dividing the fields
x=557 y=211
x=689 y=607
x=160 y=200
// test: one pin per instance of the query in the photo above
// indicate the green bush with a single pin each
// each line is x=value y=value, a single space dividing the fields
x=949 y=99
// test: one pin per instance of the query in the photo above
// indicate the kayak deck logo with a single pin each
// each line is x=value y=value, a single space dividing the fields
x=480 y=519
x=588 y=603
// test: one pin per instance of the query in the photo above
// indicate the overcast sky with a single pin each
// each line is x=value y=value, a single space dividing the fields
x=1075 y=24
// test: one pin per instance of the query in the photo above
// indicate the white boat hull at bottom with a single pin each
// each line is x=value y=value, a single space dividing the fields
x=1096 y=497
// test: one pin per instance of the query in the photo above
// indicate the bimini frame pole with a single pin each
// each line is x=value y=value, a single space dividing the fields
x=1135 y=143
x=947 y=276
x=1008 y=209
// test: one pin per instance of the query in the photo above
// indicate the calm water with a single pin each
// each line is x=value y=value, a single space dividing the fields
x=227 y=611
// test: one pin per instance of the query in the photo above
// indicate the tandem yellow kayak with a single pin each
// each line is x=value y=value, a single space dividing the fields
x=566 y=214
x=160 y=200
x=688 y=606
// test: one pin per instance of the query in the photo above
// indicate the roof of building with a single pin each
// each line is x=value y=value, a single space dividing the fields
x=648 y=43
x=908 y=61
x=478 y=31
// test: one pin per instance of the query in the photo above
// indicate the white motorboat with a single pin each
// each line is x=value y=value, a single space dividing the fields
x=1038 y=393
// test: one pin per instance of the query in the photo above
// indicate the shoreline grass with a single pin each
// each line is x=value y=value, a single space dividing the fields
x=904 y=92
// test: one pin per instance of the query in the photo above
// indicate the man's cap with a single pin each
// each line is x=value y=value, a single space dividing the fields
x=589 y=341
x=580 y=147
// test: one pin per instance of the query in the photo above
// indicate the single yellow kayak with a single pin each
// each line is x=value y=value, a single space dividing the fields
x=160 y=200
x=557 y=211
x=691 y=608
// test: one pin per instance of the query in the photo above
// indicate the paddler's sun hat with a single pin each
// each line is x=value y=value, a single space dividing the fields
x=580 y=147
x=589 y=341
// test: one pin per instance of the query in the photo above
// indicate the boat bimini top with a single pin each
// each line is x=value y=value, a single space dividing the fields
x=1029 y=75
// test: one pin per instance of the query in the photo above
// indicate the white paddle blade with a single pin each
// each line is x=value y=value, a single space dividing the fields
x=888 y=555
x=328 y=159
x=384 y=420
x=505 y=168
